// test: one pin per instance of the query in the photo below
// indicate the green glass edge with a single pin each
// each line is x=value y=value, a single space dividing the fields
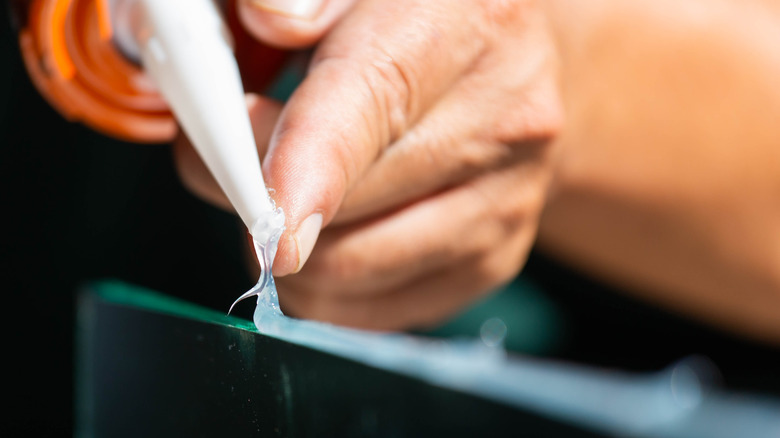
x=533 y=323
x=124 y=294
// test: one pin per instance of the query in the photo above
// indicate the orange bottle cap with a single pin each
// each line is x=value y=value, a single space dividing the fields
x=70 y=55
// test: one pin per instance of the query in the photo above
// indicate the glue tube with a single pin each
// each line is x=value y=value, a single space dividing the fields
x=185 y=47
x=84 y=57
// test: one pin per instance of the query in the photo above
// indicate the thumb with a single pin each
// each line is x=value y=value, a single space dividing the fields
x=291 y=23
x=371 y=78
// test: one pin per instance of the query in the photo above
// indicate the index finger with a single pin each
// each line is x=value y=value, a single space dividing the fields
x=372 y=77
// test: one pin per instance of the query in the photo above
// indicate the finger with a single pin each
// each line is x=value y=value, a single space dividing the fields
x=420 y=304
x=498 y=243
x=513 y=195
x=395 y=249
x=478 y=217
x=194 y=174
x=444 y=149
x=370 y=79
x=485 y=119
x=291 y=23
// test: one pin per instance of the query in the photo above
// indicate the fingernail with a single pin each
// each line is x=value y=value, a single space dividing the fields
x=306 y=238
x=305 y=9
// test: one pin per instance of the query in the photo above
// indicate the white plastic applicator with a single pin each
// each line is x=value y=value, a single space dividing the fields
x=186 y=48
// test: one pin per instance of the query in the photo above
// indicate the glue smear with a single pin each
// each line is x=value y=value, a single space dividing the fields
x=606 y=401
x=266 y=232
x=609 y=402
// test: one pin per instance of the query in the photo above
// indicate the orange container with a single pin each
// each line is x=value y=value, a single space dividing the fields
x=68 y=49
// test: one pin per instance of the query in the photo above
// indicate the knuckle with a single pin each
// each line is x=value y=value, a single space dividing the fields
x=496 y=271
x=350 y=165
x=378 y=84
x=497 y=234
x=513 y=12
x=391 y=86
x=503 y=222
x=542 y=117
x=462 y=155
x=499 y=14
x=388 y=85
x=537 y=113
x=478 y=156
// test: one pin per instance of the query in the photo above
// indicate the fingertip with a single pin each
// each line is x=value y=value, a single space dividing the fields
x=297 y=9
x=306 y=237
x=290 y=24
x=314 y=157
x=296 y=248
x=286 y=260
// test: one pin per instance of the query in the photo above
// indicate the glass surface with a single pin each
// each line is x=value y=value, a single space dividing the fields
x=153 y=365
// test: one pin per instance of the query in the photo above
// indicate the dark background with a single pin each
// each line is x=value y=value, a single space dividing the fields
x=78 y=206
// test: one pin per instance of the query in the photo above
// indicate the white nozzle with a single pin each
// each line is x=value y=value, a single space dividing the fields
x=185 y=47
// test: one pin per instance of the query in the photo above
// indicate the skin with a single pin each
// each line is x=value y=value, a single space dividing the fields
x=431 y=146
x=668 y=183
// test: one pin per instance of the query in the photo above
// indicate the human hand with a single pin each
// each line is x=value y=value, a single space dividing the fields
x=420 y=138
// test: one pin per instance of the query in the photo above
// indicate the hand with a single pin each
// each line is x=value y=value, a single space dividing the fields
x=420 y=141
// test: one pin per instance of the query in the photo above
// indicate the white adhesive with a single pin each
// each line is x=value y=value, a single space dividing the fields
x=606 y=401
x=266 y=232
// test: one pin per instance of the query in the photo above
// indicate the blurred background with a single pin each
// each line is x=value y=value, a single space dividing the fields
x=78 y=206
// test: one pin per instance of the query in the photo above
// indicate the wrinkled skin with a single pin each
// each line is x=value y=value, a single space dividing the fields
x=422 y=136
